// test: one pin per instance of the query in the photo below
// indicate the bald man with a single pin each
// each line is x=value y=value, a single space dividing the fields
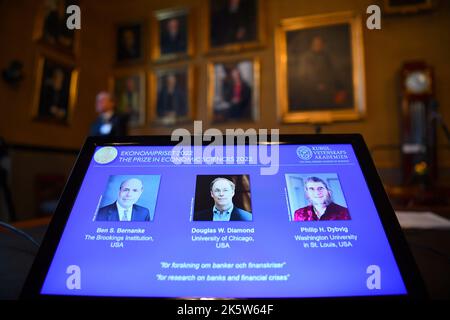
x=125 y=208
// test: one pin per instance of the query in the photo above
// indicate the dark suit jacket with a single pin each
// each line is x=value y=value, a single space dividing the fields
x=236 y=215
x=171 y=102
x=173 y=44
x=110 y=213
x=119 y=126
x=225 y=24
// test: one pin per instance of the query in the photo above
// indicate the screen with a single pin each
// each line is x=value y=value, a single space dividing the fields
x=288 y=221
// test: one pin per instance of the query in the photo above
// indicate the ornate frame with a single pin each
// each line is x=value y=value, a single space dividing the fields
x=238 y=46
x=153 y=87
x=73 y=87
x=142 y=93
x=358 y=77
x=155 y=37
x=211 y=79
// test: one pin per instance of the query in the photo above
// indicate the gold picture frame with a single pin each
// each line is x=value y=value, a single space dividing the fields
x=172 y=94
x=55 y=91
x=234 y=32
x=172 y=34
x=50 y=28
x=222 y=104
x=129 y=88
x=315 y=85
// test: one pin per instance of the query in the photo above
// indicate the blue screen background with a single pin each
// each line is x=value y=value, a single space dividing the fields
x=132 y=270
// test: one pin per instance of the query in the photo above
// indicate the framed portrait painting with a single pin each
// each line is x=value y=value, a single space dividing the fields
x=172 y=95
x=129 y=43
x=55 y=91
x=233 y=89
x=172 y=33
x=129 y=89
x=320 y=69
x=234 y=25
x=51 y=29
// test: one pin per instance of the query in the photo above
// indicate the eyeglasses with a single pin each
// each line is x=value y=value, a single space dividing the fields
x=318 y=189
x=218 y=191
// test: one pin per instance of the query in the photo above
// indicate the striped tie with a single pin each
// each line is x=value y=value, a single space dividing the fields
x=125 y=215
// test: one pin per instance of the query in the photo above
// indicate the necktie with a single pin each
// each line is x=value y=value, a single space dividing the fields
x=125 y=215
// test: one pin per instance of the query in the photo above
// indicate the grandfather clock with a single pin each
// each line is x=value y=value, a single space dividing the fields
x=418 y=124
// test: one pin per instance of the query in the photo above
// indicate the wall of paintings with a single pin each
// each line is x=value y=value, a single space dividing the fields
x=300 y=65
x=206 y=60
x=284 y=64
x=54 y=103
x=166 y=63
x=56 y=73
x=170 y=62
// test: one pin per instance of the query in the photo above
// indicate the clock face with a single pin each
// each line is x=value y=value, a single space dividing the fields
x=418 y=82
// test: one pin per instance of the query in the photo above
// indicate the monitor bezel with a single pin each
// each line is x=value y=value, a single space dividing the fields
x=407 y=266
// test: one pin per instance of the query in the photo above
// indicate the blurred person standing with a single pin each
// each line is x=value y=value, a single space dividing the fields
x=109 y=122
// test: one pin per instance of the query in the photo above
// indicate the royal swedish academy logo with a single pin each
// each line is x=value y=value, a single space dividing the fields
x=304 y=153
x=105 y=155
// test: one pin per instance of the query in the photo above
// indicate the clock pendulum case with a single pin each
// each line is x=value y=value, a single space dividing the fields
x=418 y=124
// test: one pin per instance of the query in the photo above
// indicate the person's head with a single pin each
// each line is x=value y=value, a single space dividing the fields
x=129 y=192
x=222 y=191
x=173 y=26
x=104 y=102
x=317 y=192
x=317 y=44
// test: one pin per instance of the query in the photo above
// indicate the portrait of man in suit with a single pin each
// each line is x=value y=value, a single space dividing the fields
x=320 y=69
x=125 y=207
x=129 y=43
x=174 y=35
x=54 y=92
x=54 y=29
x=130 y=91
x=233 y=21
x=222 y=191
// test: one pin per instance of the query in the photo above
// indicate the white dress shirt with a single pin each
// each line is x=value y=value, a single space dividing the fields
x=121 y=212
